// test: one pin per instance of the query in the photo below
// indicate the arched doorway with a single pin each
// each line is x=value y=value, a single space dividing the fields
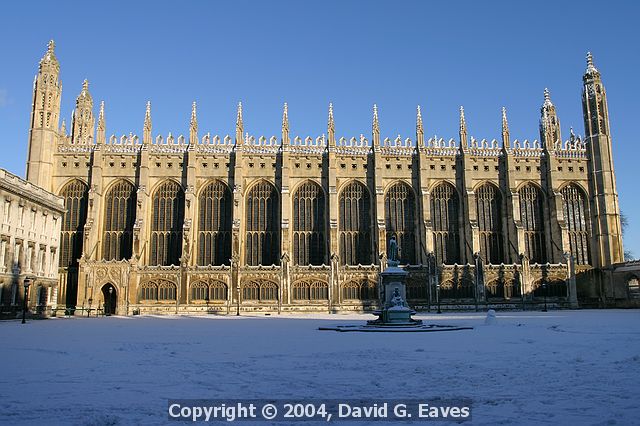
x=110 y=297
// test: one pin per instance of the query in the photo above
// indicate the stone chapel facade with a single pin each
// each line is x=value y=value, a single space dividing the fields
x=205 y=223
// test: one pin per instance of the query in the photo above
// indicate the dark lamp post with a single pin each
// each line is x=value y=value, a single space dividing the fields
x=438 y=296
x=27 y=282
x=238 y=301
x=544 y=289
x=109 y=301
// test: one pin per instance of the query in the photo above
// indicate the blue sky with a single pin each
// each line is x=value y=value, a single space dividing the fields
x=483 y=55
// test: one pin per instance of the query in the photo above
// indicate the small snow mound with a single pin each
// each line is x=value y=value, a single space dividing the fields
x=491 y=317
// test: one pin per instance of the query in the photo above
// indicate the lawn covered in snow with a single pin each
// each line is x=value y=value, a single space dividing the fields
x=561 y=367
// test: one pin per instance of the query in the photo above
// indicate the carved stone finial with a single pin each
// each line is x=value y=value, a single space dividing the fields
x=547 y=97
x=376 y=123
x=49 y=57
x=419 y=127
x=101 y=123
x=84 y=93
x=505 y=123
x=463 y=121
x=193 y=126
x=147 y=116
x=239 y=115
x=194 y=118
x=331 y=123
x=591 y=69
x=285 y=118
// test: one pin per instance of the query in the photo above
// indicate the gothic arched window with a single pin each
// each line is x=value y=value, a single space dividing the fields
x=309 y=225
x=158 y=291
x=262 y=226
x=310 y=290
x=355 y=225
x=359 y=290
x=166 y=290
x=75 y=194
x=260 y=291
x=166 y=225
x=199 y=291
x=488 y=203
x=446 y=227
x=119 y=217
x=149 y=292
x=399 y=212
x=532 y=217
x=209 y=290
x=575 y=216
x=214 y=225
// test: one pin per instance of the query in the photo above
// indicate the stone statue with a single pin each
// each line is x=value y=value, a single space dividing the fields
x=392 y=257
x=396 y=300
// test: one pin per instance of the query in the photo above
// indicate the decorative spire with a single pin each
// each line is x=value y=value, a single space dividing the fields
x=331 y=123
x=285 y=125
x=463 y=129
x=285 y=118
x=463 y=121
x=84 y=93
x=146 y=136
x=419 y=128
x=193 y=125
x=147 y=116
x=376 y=123
x=331 y=126
x=101 y=123
x=591 y=69
x=505 y=123
x=49 y=57
x=506 y=143
x=239 y=122
x=101 y=137
x=194 y=118
x=83 y=119
x=63 y=128
x=375 y=127
x=549 y=123
x=239 y=126
x=547 y=98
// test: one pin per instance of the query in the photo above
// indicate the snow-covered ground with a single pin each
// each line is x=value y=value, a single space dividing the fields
x=563 y=367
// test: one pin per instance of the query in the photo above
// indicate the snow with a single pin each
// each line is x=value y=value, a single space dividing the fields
x=558 y=367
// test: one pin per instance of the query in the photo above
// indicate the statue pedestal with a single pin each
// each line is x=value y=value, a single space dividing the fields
x=395 y=311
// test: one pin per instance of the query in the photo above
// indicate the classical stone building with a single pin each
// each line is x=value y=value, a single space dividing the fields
x=245 y=223
x=29 y=245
